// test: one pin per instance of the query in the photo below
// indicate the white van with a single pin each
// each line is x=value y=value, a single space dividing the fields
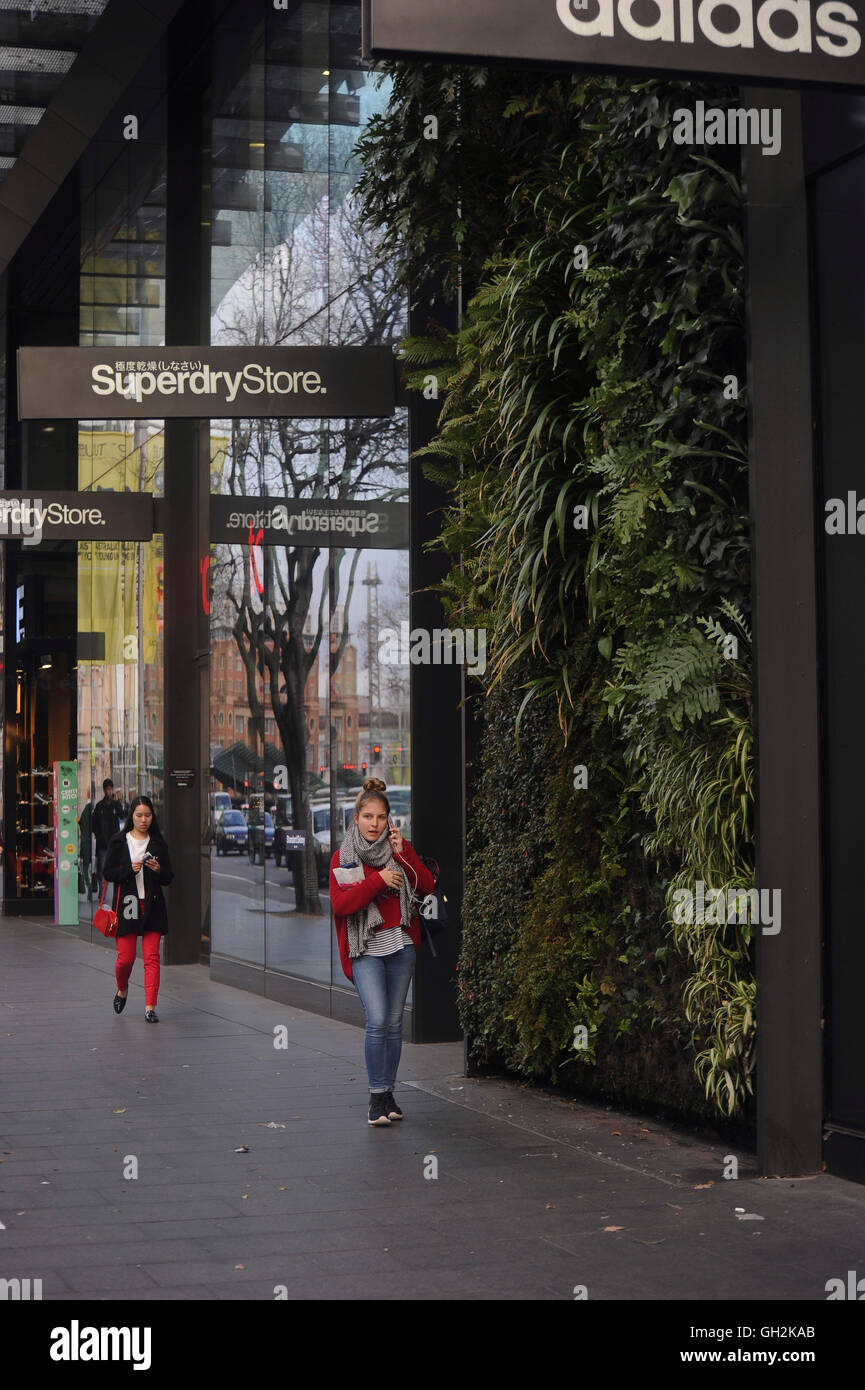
x=219 y=802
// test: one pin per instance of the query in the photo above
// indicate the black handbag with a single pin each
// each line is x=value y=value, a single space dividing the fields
x=433 y=912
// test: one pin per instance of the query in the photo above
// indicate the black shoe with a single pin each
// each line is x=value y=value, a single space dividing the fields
x=120 y=1003
x=151 y=1016
x=377 y=1109
x=391 y=1109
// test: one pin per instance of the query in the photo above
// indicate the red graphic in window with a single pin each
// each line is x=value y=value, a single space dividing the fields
x=254 y=544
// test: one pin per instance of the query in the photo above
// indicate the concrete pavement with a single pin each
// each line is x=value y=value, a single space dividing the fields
x=488 y=1190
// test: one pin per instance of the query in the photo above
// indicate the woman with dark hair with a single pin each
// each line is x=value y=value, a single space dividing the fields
x=137 y=859
x=376 y=885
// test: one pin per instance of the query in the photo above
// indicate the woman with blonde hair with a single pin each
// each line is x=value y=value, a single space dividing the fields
x=377 y=883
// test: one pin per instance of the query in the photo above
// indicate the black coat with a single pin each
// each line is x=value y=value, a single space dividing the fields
x=104 y=822
x=118 y=869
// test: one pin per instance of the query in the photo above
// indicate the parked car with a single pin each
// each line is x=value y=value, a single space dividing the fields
x=288 y=839
x=400 y=808
x=260 y=836
x=219 y=803
x=321 y=833
x=232 y=832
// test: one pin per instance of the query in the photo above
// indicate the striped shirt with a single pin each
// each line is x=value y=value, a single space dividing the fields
x=388 y=940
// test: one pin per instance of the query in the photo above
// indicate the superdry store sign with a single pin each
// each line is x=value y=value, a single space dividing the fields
x=76 y=516
x=791 y=41
x=318 y=522
x=219 y=383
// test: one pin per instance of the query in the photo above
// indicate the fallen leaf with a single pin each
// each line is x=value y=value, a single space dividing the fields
x=618 y=1133
x=244 y=1149
x=121 y=1111
x=269 y=1124
x=700 y=1185
x=614 y=1228
x=749 y=1216
x=240 y=1266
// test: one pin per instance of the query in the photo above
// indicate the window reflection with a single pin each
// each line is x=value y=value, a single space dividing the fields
x=299 y=701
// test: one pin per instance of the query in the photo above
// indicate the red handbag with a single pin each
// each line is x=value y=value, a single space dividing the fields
x=105 y=918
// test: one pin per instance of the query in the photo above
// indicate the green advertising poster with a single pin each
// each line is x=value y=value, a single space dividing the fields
x=66 y=843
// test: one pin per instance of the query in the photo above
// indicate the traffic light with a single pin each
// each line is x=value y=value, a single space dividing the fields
x=376 y=752
x=363 y=767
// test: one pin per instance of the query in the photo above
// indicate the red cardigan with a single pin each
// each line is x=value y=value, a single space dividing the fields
x=355 y=896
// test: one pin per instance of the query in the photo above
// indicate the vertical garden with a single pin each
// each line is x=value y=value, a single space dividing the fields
x=592 y=441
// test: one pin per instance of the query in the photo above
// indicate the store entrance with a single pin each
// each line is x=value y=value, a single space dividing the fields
x=40 y=679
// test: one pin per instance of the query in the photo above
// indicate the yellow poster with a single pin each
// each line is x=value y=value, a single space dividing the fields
x=116 y=461
x=100 y=598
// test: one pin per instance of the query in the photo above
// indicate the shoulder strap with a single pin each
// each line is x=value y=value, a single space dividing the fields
x=117 y=896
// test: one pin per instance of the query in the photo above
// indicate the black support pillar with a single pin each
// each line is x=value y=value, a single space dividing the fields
x=185 y=523
x=438 y=760
x=789 y=1058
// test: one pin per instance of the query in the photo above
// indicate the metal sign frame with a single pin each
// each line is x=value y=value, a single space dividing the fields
x=200 y=382
x=825 y=48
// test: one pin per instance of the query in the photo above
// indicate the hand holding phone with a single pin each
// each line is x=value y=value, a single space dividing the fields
x=395 y=837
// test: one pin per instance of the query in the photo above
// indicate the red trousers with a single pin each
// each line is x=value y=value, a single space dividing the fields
x=149 y=954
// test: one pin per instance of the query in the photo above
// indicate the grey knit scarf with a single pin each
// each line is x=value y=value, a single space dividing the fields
x=361 y=925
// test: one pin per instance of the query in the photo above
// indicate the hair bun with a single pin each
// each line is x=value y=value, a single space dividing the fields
x=374 y=784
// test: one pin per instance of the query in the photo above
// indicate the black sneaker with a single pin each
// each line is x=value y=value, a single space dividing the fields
x=151 y=1016
x=377 y=1109
x=392 y=1110
x=120 y=1002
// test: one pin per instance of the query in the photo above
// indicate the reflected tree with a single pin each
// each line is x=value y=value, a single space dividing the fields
x=279 y=603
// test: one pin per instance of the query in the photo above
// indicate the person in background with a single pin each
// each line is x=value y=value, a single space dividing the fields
x=376 y=884
x=85 y=850
x=105 y=821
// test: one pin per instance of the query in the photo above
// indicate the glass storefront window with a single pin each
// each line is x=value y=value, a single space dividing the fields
x=316 y=710
x=120 y=583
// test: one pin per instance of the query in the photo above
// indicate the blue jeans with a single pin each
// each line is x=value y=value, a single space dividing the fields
x=382 y=983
